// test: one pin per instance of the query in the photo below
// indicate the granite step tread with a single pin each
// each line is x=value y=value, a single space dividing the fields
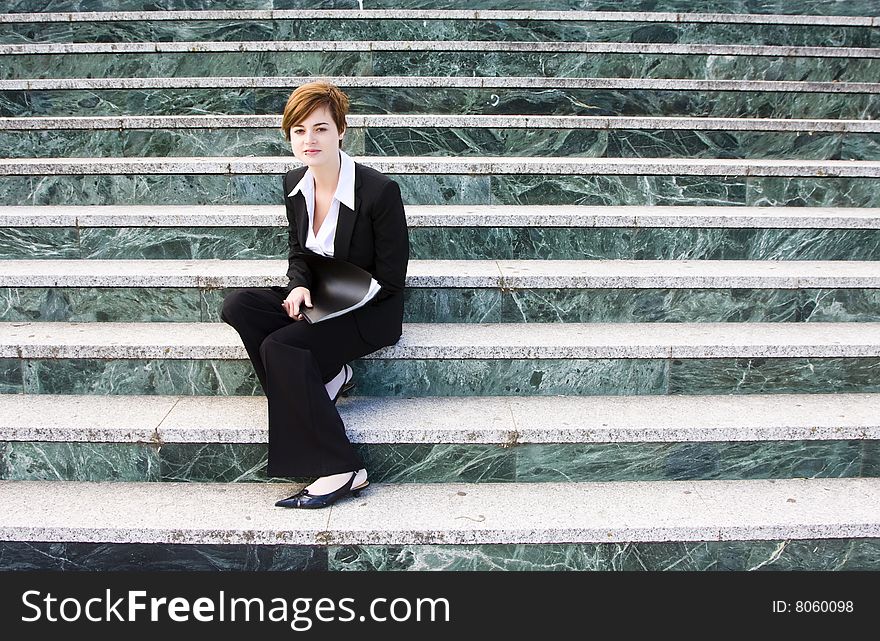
x=460 y=82
x=162 y=340
x=442 y=14
x=513 y=274
x=699 y=123
x=453 y=513
x=452 y=216
x=507 y=420
x=532 y=47
x=420 y=165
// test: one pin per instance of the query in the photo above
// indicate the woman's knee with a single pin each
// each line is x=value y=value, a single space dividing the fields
x=273 y=345
x=265 y=348
x=298 y=334
x=234 y=304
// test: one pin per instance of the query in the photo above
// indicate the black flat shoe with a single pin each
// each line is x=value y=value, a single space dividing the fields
x=347 y=384
x=303 y=499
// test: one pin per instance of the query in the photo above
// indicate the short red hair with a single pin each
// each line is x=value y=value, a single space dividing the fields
x=314 y=95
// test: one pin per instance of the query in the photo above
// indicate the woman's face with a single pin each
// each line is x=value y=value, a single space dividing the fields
x=315 y=140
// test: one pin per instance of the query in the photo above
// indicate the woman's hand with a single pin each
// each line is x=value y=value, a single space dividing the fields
x=297 y=297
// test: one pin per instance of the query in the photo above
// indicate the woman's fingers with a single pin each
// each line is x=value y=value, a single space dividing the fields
x=291 y=308
x=297 y=299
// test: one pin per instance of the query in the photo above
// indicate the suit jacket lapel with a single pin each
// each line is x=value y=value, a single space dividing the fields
x=301 y=212
x=345 y=222
x=302 y=223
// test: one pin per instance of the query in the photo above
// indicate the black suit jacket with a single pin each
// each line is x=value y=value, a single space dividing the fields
x=373 y=236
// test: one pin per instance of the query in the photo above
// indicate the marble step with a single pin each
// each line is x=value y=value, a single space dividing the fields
x=187 y=181
x=457 y=377
x=253 y=81
x=732 y=10
x=429 y=121
x=581 y=240
x=444 y=121
x=496 y=180
x=490 y=341
x=368 y=58
x=731 y=526
x=508 y=421
x=451 y=180
x=458 y=360
x=415 y=24
x=454 y=136
x=471 y=166
x=212 y=274
x=524 y=439
x=451 y=462
x=451 y=95
x=442 y=46
x=471 y=304
x=538 y=232
x=455 y=513
x=457 y=142
x=469 y=15
x=417 y=216
x=469 y=291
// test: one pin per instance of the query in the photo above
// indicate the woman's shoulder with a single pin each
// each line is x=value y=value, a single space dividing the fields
x=292 y=177
x=371 y=177
x=295 y=174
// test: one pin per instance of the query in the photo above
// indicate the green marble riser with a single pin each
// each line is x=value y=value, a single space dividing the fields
x=408 y=378
x=445 y=463
x=455 y=189
x=438 y=63
x=446 y=142
x=494 y=30
x=453 y=243
x=816 y=555
x=497 y=101
x=447 y=305
x=810 y=7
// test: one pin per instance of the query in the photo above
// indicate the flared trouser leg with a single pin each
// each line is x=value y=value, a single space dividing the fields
x=255 y=313
x=293 y=360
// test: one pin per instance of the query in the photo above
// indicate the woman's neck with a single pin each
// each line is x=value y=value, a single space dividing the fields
x=327 y=176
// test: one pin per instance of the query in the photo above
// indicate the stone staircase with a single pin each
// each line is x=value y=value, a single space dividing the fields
x=643 y=306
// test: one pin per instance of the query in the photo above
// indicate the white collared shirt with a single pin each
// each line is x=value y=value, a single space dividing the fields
x=323 y=242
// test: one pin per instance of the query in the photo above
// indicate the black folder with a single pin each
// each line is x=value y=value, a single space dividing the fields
x=337 y=287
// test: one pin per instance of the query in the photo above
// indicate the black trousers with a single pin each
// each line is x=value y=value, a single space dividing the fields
x=294 y=360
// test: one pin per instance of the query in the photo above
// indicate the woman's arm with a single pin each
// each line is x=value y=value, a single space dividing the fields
x=391 y=241
x=297 y=270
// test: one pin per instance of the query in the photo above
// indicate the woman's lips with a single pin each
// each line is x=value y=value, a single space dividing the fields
x=312 y=152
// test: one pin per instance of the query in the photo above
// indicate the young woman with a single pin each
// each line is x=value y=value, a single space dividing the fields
x=335 y=207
